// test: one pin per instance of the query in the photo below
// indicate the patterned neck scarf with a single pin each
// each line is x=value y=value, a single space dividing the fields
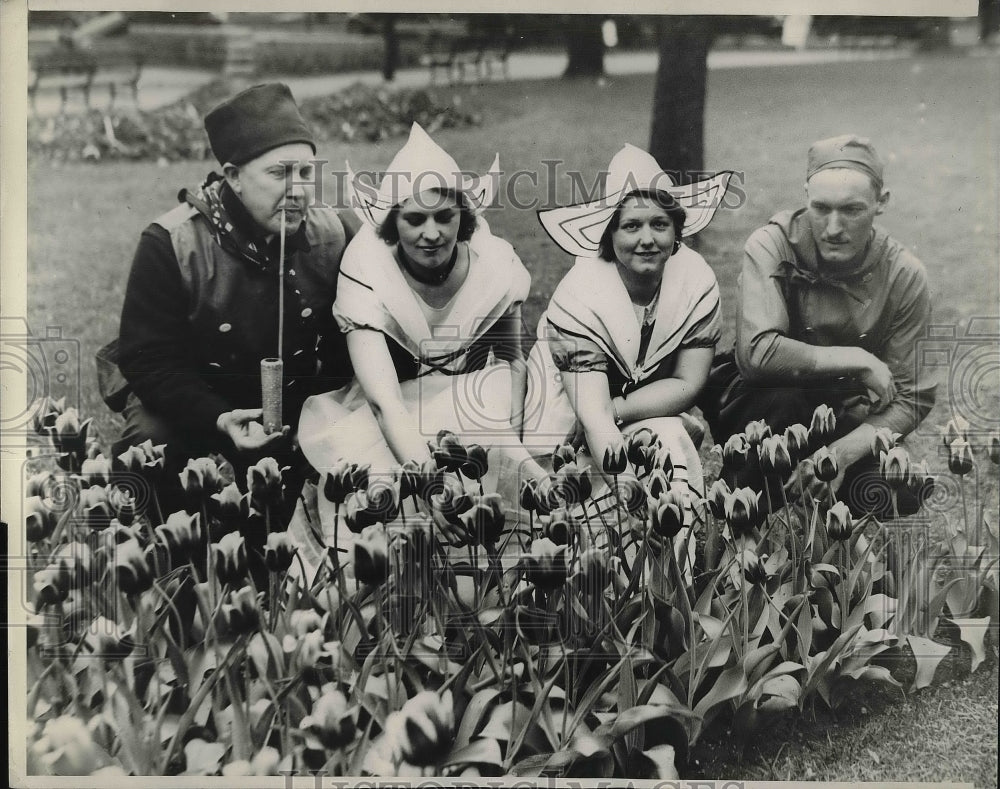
x=235 y=230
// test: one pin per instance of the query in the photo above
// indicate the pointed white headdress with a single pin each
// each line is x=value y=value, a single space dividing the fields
x=420 y=166
x=578 y=228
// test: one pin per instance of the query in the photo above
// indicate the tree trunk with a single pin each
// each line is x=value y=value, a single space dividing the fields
x=678 y=134
x=390 y=40
x=584 y=45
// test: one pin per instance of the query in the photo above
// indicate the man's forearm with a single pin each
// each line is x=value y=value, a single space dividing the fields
x=772 y=357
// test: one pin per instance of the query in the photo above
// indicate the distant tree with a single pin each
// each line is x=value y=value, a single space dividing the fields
x=390 y=40
x=584 y=45
x=677 y=138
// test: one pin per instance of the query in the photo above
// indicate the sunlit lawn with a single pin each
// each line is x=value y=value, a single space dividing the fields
x=937 y=122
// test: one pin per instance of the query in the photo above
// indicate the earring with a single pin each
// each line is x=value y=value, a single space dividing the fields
x=677 y=246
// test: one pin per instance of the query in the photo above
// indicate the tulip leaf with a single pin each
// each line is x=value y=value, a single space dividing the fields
x=962 y=596
x=203 y=758
x=928 y=655
x=730 y=683
x=972 y=632
x=531 y=766
x=758 y=660
x=473 y=715
x=819 y=663
x=482 y=751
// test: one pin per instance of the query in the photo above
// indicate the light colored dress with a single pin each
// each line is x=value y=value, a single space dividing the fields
x=592 y=325
x=454 y=375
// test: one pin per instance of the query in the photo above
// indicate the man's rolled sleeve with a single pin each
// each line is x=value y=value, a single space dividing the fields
x=764 y=352
x=915 y=391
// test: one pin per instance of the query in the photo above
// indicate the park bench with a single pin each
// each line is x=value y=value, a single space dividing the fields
x=457 y=57
x=70 y=69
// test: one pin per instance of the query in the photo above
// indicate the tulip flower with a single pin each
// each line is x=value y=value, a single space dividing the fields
x=995 y=448
x=431 y=480
x=717 y=495
x=560 y=526
x=756 y=432
x=960 y=457
x=39 y=519
x=823 y=424
x=304 y=620
x=370 y=552
x=825 y=465
x=357 y=515
x=67 y=747
x=797 y=441
x=132 y=460
x=735 y=453
x=96 y=508
x=449 y=454
x=132 y=568
x=383 y=500
x=360 y=473
x=338 y=486
x=638 y=444
x=615 y=460
x=408 y=479
x=96 y=471
x=485 y=519
x=529 y=495
x=894 y=466
x=52 y=584
x=750 y=565
x=231 y=506
x=545 y=566
x=669 y=514
x=123 y=504
x=839 y=523
x=241 y=614
x=658 y=482
x=44 y=412
x=199 y=479
x=424 y=730
x=775 y=459
x=742 y=511
x=546 y=497
x=264 y=483
x=69 y=434
x=106 y=640
x=231 y=559
x=308 y=649
x=451 y=501
x=266 y=761
x=182 y=535
x=594 y=571
x=956 y=428
x=561 y=455
x=476 y=463
x=330 y=721
x=631 y=494
x=572 y=484
x=883 y=440
x=279 y=551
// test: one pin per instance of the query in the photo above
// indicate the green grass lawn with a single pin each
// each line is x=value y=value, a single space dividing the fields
x=936 y=120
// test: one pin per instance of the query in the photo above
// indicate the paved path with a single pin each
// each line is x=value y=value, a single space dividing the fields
x=160 y=86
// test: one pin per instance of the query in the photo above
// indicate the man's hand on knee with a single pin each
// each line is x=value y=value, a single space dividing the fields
x=877 y=377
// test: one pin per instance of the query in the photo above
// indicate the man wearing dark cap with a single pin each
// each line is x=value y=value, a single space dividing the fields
x=830 y=310
x=201 y=305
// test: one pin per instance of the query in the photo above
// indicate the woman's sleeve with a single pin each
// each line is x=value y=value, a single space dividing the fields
x=703 y=327
x=573 y=354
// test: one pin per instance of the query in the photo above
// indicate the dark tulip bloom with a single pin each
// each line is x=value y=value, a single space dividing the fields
x=330 y=721
x=735 y=453
x=756 y=432
x=994 y=449
x=39 y=520
x=485 y=519
x=743 y=512
x=615 y=460
x=797 y=441
x=960 y=457
x=717 y=495
x=895 y=467
x=264 y=483
x=775 y=458
x=529 y=495
x=476 y=463
x=423 y=731
x=559 y=526
x=839 y=523
x=279 y=551
x=231 y=559
x=545 y=566
x=561 y=455
x=337 y=484
x=883 y=440
x=825 y=465
x=182 y=535
x=371 y=556
x=132 y=568
x=823 y=424
x=450 y=454
x=409 y=477
x=52 y=584
x=637 y=443
x=241 y=615
x=96 y=508
x=957 y=428
x=382 y=500
x=669 y=514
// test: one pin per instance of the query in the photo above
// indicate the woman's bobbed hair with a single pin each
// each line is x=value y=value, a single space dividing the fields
x=659 y=198
x=467 y=225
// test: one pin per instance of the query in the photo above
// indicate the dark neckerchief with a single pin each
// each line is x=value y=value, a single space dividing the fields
x=423 y=276
x=235 y=230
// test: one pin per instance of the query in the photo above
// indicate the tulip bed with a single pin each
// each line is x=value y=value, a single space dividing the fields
x=176 y=132
x=604 y=631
